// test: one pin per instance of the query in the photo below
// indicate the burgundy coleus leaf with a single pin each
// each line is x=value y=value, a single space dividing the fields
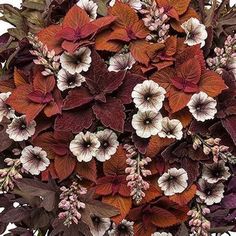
x=72 y=100
x=229 y=123
x=127 y=87
x=111 y=113
x=99 y=80
x=39 y=97
x=226 y=104
x=74 y=120
x=103 y=98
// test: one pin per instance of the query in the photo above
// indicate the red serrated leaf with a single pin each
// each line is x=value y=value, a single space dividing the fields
x=212 y=83
x=185 y=197
x=76 y=18
x=139 y=49
x=19 y=77
x=163 y=218
x=189 y=73
x=163 y=78
x=156 y=145
x=49 y=173
x=87 y=170
x=178 y=100
x=48 y=37
x=126 y=16
x=64 y=166
x=123 y=204
x=116 y=164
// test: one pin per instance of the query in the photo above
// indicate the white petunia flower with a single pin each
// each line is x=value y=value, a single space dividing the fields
x=171 y=129
x=147 y=123
x=173 y=181
x=5 y=110
x=148 y=96
x=202 y=106
x=84 y=146
x=135 y=4
x=19 y=130
x=215 y=172
x=121 y=62
x=124 y=228
x=196 y=32
x=100 y=225
x=90 y=7
x=65 y=80
x=34 y=160
x=77 y=62
x=210 y=193
x=161 y=234
x=108 y=144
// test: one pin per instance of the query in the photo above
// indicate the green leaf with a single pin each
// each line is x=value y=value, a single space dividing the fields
x=12 y=15
x=17 y=33
x=102 y=8
x=38 y=5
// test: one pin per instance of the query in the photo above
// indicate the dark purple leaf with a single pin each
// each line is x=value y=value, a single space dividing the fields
x=140 y=143
x=111 y=114
x=182 y=231
x=230 y=125
x=15 y=215
x=74 y=121
x=76 y=98
x=99 y=80
x=5 y=141
x=125 y=90
x=232 y=185
x=80 y=229
x=36 y=188
x=229 y=201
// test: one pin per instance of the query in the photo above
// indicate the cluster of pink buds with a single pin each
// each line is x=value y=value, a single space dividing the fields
x=200 y=226
x=155 y=19
x=136 y=171
x=10 y=174
x=70 y=203
x=225 y=57
x=212 y=145
x=47 y=58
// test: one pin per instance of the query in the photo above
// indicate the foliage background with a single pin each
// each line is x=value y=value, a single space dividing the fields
x=4 y=26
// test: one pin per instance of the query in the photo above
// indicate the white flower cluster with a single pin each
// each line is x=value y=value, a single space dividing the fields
x=211 y=188
x=72 y=65
x=155 y=20
x=101 y=145
x=225 y=57
x=148 y=97
x=47 y=58
x=136 y=170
